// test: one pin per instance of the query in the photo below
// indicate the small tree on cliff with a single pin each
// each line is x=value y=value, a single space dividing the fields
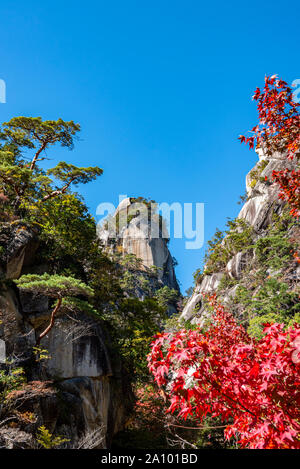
x=62 y=289
x=20 y=177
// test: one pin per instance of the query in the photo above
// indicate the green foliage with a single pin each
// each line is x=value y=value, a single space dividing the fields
x=172 y=323
x=166 y=296
x=275 y=250
x=25 y=183
x=81 y=277
x=133 y=325
x=243 y=198
x=272 y=302
x=212 y=256
x=31 y=131
x=129 y=282
x=131 y=262
x=141 y=200
x=54 y=286
x=275 y=296
x=198 y=275
x=47 y=440
x=211 y=435
x=73 y=305
x=104 y=279
x=154 y=271
x=224 y=245
x=66 y=172
x=66 y=226
x=226 y=282
x=265 y=292
x=11 y=379
x=145 y=285
x=41 y=354
x=256 y=324
x=256 y=172
x=189 y=292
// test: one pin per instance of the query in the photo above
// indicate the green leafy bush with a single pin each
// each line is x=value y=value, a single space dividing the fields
x=47 y=440
x=11 y=379
x=224 y=245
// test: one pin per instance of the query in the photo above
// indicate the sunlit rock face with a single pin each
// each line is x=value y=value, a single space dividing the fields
x=258 y=211
x=194 y=307
x=143 y=235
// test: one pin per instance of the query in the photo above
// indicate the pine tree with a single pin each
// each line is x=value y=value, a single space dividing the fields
x=57 y=287
x=21 y=180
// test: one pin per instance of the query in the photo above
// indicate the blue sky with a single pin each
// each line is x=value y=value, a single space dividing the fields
x=162 y=90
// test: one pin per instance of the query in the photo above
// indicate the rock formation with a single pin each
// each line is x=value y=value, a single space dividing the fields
x=89 y=394
x=77 y=390
x=143 y=234
x=259 y=211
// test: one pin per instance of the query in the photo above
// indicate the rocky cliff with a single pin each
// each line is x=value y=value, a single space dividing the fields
x=75 y=383
x=74 y=389
x=134 y=229
x=253 y=260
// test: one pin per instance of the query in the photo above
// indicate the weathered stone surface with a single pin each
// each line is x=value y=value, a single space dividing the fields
x=237 y=264
x=13 y=330
x=34 y=303
x=210 y=282
x=14 y=266
x=99 y=397
x=19 y=243
x=208 y=285
x=258 y=211
x=149 y=244
x=85 y=356
x=230 y=294
x=103 y=405
x=190 y=308
x=262 y=193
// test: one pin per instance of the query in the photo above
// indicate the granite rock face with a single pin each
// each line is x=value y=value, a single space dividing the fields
x=194 y=307
x=19 y=243
x=261 y=205
x=237 y=264
x=87 y=393
x=136 y=236
x=75 y=356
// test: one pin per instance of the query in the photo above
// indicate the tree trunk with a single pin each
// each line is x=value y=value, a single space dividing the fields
x=51 y=324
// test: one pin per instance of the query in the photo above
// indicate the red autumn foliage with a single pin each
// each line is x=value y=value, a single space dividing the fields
x=149 y=409
x=222 y=372
x=253 y=385
x=279 y=130
x=289 y=182
x=297 y=257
